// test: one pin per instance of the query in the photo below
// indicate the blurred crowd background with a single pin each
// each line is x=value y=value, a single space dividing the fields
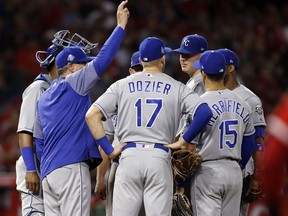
x=256 y=30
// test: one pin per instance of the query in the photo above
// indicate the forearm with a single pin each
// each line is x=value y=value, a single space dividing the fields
x=94 y=119
x=25 y=139
x=102 y=168
x=258 y=159
x=27 y=151
x=108 y=51
x=201 y=118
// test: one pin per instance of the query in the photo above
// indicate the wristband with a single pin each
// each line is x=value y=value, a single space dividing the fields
x=105 y=145
x=28 y=157
x=259 y=147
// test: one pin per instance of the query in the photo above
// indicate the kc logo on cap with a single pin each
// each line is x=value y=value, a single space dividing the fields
x=192 y=44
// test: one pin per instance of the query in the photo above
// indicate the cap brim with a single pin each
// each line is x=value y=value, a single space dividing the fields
x=167 y=50
x=88 y=59
x=197 y=65
x=180 y=50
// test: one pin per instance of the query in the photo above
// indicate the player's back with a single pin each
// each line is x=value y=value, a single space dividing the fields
x=254 y=102
x=231 y=120
x=150 y=107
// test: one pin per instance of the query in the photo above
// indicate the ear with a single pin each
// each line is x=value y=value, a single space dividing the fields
x=131 y=71
x=70 y=67
x=230 y=68
x=203 y=74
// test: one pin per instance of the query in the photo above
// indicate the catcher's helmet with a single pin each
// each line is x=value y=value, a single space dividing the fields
x=51 y=53
x=63 y=38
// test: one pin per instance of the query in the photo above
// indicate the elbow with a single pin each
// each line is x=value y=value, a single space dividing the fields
x=90 y=115
x=94 y=114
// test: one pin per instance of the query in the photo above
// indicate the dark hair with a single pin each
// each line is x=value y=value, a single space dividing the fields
x=138 y=68
x=215 y=77
x=62 y=70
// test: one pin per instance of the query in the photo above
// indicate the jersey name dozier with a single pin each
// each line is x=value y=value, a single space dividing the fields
x=226 y=106
x=149 y=86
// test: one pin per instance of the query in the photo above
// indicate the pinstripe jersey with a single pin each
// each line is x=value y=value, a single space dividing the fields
x=224 y=133
x=149 y=106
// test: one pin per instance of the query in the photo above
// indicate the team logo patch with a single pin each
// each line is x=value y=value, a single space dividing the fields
x=186 y=42
x=70 y=57
x=259 y=109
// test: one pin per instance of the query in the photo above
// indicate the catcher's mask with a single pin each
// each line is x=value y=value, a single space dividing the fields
x=50 y=55
x=61 y=40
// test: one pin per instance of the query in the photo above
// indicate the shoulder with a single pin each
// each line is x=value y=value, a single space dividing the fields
x=38 y=86
x=249 y=96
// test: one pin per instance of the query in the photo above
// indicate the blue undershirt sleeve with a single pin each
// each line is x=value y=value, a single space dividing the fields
x=108 y=51
x=200 y=119
x=247 y=150
x=259 y=132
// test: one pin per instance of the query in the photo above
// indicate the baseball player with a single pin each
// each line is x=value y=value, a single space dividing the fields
x=190 y=50
x=111 y=131
x=149 y=106
x=27 y=178
x=254 y=165
x=216 y=189
x=62 y=137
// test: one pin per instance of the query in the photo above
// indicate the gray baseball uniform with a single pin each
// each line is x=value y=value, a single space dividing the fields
x=149 y=108
x=217 y=187
x=27 y=117
x=257 y=116
x=258 y=120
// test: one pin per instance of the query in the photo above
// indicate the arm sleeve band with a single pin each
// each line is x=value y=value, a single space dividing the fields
x=200 y=119
x=105 y=145
x=28 y=157
x=259 y=132
x=248 y=146
x=109 y=49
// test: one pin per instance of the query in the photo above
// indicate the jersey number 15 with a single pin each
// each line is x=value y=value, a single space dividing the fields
x=228 y=133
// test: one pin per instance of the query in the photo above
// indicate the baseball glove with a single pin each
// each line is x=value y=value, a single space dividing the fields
x=251 y=189
x=181 y=205
x=185 y=163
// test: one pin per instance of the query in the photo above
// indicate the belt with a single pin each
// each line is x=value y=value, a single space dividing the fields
x=156 y=145
x=225 y=158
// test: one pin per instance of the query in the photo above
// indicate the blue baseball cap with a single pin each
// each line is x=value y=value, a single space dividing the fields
x=192 y=44
x=73 y=54
x=152 y=48
x=211 y=62
x=230 y=57
x=135 y=59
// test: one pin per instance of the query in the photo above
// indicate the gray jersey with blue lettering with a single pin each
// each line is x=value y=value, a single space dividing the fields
x=255 y=104
x=231 y=120
x=196 y=84
x=149 y=106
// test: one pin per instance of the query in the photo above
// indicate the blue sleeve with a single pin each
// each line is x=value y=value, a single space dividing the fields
x=39 y=148
x=247 y=150
x=108 y=51
x=200 y=120
x=259 y=132
x=84 y=80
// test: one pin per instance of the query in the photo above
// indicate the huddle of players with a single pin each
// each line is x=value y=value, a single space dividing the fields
x=208 y=71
